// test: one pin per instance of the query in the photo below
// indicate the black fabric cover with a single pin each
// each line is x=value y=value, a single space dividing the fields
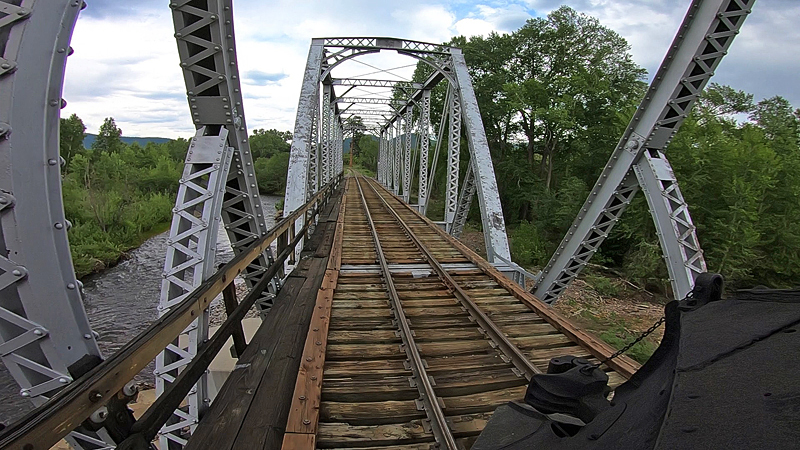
x=726 y=376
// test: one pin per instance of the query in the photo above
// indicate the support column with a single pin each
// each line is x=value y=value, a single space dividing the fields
x=424 y=127
x=397 y=154
x=494 y=227
x=453 y=159
x=407 y=155
x=327 y=137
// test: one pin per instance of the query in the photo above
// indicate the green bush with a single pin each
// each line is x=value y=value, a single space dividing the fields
x=271 y=173
x=618 y=336
x=603 y=286
x=527 y=245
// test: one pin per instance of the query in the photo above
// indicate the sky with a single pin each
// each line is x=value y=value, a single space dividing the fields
x=125 y=63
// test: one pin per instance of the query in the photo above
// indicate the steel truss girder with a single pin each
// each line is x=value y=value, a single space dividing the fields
x=702 y=40
x=303 y=141
x=424 y=128
x=189 y=261
x=494 y=227
x=327 y=126
x=207 y=50
x=398 y=152
x=453 y=159
x=407 y=156
x=364 y=82
x=45 y=337
x=464 y=201
x=449 y=64
x=370 y=101
x=369 y=112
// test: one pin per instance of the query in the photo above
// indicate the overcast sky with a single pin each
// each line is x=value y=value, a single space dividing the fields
x=125 y=63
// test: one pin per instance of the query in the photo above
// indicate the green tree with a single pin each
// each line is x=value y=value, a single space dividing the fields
x=108 y=138
x=72 y=133
x=271 y=173
x=356 y=125
x=266 y=143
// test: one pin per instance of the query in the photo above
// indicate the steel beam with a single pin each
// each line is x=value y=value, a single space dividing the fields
x=424 y=128
x=304 y=139
x=191 y=250
x=207 y=50
x=453 y=159
x=494 y=227
x=464 y=201
x=702 y=40
x=45 y=337
x=365 y=82
x=407 y=155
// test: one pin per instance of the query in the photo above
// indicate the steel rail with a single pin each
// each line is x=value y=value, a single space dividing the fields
x=511 y=351
x=433 y=409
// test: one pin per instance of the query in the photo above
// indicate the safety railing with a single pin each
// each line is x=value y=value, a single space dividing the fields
x=105 y=387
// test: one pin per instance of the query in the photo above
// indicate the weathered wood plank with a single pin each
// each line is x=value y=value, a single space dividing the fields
x=263 y=425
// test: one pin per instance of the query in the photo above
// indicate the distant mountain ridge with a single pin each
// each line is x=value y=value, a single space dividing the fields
x=89 y=140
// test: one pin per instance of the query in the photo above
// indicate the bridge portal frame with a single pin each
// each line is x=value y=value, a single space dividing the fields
x=395 y=158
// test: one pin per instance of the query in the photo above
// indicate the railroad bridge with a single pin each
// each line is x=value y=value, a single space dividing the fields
x=379 y=328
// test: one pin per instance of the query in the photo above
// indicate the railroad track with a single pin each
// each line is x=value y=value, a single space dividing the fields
x=423 y=343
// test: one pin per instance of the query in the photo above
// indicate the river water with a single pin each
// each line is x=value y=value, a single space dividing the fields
x=121 y=302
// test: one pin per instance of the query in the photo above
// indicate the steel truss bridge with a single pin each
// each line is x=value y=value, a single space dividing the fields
x=51 y=351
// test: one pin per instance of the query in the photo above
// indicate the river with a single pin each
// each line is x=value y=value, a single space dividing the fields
x=121 y=302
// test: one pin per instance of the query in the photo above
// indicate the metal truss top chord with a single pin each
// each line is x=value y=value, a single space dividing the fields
x=385 y=43
x=374 y=83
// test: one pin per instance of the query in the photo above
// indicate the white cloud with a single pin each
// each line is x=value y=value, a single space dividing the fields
x=126 y=65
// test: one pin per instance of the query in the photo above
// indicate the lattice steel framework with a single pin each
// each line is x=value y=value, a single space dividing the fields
x=703 y=39
x=424 y=144
x=407 y=154
x=398 y=144
x=218 y=181
x=45 y=337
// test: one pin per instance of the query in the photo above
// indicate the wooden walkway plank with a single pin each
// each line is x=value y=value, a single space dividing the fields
x=307 y=395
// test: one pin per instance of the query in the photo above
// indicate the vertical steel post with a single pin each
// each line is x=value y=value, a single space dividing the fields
x=407 y=155
x=397 y=155
x=327 y=139
x=424 y=127
x=453 y=159
x=494 y=227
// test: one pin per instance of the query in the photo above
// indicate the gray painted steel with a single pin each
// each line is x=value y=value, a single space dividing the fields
x=703 y=39
x=464 y=201
x=207 y=50
x=424 y=144
x=494 y=227
x=191 y=249
x=45 y=338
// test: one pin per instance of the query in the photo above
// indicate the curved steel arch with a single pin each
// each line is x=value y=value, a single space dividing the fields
x=45 y=337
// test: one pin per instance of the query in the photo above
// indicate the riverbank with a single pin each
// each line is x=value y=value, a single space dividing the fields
x=87 y=265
